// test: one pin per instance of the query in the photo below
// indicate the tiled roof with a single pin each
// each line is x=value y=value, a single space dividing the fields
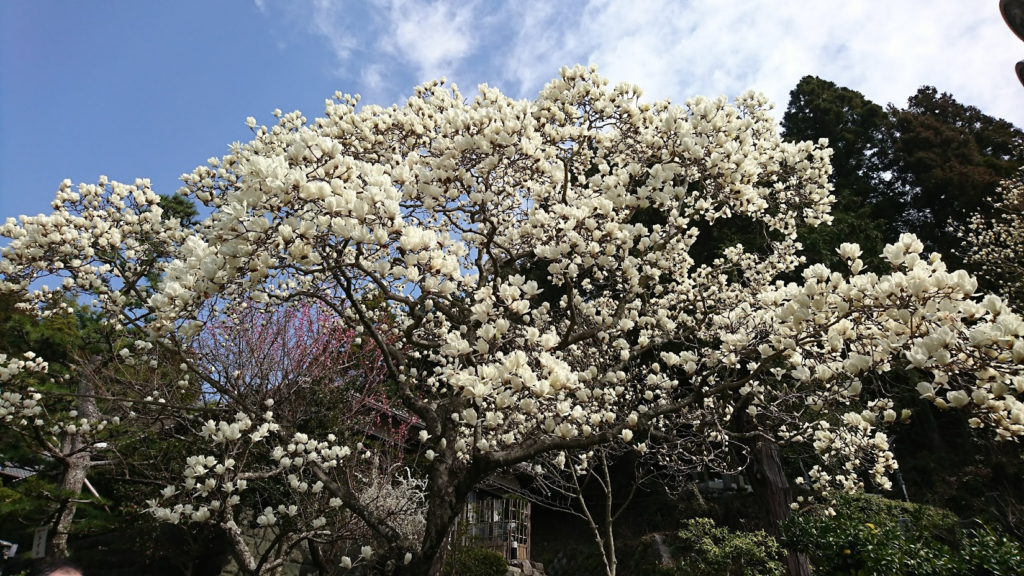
x=18 y=473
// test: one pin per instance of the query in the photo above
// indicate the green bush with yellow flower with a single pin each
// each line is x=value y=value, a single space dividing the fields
x=864 y=535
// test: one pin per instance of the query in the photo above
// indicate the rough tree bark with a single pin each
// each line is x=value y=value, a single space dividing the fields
x=449 y=489
x=76 y=459
x=773 y=492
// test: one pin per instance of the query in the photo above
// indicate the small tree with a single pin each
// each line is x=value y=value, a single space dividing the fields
x=567 y=482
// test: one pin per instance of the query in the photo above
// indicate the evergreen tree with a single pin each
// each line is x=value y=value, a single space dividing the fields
x=945 y=159
x=855 y=128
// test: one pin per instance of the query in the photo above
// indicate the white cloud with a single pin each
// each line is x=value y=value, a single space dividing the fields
x=884 y=49
x=381 y=42
x=433 y=37
x=330 y=19
x=677 y=49
x=372 y=77
x=547 y=36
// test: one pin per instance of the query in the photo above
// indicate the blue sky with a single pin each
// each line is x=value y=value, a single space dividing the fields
x=152 y=89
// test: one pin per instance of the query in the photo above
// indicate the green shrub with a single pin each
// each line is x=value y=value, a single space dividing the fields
x=475 y=562
x=885 y=512
x=704 y=548
x=865 y=538
x=843 y=545
x=982 y=552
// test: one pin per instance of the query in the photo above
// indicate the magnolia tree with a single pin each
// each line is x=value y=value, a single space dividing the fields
x=539 y=276
x=101 y=242
x=995 y=244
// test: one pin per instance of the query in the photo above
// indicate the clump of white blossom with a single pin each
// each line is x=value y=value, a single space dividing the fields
x=14 y=405
x=994 y=240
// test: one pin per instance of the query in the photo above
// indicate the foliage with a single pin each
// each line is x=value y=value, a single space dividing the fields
x=883 y=511
x=855 y=129
x=926 y=167
x=984 y=552
x=475 y=562
x=946 y=158
x=180 y=208
x=844 y=546
x=64 y=339
x=871 y=535
x=14 y=506
x=708 y=549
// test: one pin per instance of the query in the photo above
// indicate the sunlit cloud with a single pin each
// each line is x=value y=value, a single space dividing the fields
x=680 y=49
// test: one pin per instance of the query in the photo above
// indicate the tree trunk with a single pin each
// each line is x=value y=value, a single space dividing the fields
x=77 y=460
x=450 y=485
x=772 y=489
x=75 y=468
